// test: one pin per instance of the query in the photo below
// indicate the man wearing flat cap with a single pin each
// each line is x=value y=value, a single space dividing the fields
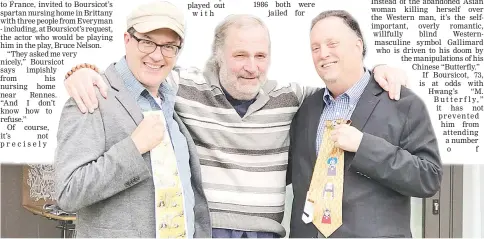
x=130 y=168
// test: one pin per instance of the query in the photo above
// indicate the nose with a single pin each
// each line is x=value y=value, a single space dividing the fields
x=250 y=65
x=156 y=55
x=324 y=52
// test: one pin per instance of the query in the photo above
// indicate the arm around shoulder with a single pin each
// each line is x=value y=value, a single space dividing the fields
x=86 y=171
x=309 y=91
x=412 y=168
x=80 y=84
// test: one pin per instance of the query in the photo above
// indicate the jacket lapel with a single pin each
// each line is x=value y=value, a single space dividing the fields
x=364 y=108
x=314 y=112
x=367 y=103
x=122 y=94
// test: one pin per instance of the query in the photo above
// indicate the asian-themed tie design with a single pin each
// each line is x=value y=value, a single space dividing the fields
x=169 y=210
x=325 y=194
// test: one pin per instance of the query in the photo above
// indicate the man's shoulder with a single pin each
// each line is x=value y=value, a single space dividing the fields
x=407 y=93
x=408 y=97
x=310 y=103
x=285 y=94
x=409 y=101
x=189 y=75
x=109 y=73
x=313 y=98
x=292 y=89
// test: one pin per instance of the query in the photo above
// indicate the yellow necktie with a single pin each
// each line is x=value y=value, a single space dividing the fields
x=169 y=210
x=326 y=189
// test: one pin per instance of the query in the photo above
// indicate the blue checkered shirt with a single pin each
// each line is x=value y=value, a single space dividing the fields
x=146 y=102
x=342 y=107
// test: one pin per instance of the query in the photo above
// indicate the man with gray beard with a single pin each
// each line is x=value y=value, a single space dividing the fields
x=240 y=122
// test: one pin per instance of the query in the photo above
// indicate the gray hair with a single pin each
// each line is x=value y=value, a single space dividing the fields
x=347 y=18
x=233 y=20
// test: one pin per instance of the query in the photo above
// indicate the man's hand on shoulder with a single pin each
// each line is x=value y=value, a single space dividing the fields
x=80 y=86
x=391 y=79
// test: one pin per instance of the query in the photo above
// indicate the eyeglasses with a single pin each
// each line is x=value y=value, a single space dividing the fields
x=148 y=47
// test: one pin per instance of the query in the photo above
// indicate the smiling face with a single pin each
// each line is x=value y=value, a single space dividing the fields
x=244 y=61
x=150 y=69
x=336 y=50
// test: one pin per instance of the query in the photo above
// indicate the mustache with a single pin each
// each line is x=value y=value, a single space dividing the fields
x=249 y=75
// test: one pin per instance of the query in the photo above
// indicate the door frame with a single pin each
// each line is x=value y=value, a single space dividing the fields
x=446 y=222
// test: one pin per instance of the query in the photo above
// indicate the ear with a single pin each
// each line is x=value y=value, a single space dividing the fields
x=127 y=38
x=359 y=45
x=219 y=57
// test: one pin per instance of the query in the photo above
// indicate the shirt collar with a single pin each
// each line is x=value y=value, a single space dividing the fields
x=354 y=93
x=234 y=101
x=135 y=88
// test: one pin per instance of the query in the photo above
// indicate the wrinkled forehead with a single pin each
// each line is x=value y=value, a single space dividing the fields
x=251 y=39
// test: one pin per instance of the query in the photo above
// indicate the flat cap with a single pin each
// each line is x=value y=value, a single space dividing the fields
x=157 y=15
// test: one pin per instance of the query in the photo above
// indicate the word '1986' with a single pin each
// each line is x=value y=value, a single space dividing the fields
x=261 y=4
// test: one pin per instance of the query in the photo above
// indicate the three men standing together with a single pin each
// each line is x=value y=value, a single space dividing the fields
x=231 y=125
